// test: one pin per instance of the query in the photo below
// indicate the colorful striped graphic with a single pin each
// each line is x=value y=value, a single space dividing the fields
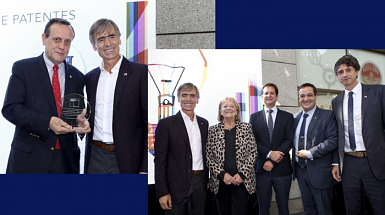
x=151 y=137
x=255 y=98
x=242 y=103
x=137 y=50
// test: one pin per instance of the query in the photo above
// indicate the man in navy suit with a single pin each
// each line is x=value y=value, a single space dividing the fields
x=360 y=114
x=117 y=92
x=313 y=151
x=43 y=143
x=274 y=133
x=181 y=174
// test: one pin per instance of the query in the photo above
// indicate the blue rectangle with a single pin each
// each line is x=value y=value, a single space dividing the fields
x=73 y=194
x=306 y=24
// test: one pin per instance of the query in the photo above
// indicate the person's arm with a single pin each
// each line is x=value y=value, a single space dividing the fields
x=144 y=107
x=287 y=143
x=17 y=112
x=330 y=142
x=212 y=156
x=263 y=150
x=161 y=148
x=249 y=155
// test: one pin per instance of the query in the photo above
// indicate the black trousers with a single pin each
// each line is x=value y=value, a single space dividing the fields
x=265 y=182
x=315 y=201
x=232 y=199
x=356 y=175
x=195 y=201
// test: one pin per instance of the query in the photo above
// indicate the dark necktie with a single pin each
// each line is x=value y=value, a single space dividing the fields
x=57 y=94
x=352 y=140
x=301 y=141
x=270 y=124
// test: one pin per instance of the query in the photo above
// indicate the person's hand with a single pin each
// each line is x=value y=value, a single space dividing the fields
x=336 y=173
x=268 y=166
x=83 y=124
x=227 y=178
x=302 y=154
x=276 y=156
x=58 y=126
x=237 y=180
x=165 y=202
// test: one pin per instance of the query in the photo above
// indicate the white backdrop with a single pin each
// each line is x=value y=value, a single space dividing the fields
x=22 y=23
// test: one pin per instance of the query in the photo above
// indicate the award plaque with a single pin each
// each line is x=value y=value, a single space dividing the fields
x=74 y=108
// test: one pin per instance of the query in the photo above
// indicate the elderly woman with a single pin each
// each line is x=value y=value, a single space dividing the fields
x=231 y=153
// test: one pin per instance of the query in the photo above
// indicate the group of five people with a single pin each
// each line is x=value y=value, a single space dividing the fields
x=246 y=158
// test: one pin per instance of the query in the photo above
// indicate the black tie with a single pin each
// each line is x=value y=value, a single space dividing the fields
x=352 y=140
x=270 y=124
x=301 y=141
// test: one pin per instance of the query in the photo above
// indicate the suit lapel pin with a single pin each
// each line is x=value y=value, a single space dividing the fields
x=70 y=76
x=365 y=97
x=125 y=74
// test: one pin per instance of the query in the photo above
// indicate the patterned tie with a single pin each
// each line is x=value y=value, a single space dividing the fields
x=270 y=124
x=57 y=94
x=352 y=140
x=301 y=141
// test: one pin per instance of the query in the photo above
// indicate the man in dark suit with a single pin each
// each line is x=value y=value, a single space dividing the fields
x=181 y=174
x=315 y=140
x=360 y=114
x=117 y=92
x=274 y=133
x=43 y=143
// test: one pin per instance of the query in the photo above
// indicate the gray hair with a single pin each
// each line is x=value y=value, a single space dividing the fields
x=187 y=86
x=100 y=26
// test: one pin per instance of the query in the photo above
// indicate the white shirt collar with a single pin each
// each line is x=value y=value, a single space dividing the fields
x=310 y=112
x=356 y=90
x=50 y=64
x=185 y=115
x=275 y=109
x=115 y=68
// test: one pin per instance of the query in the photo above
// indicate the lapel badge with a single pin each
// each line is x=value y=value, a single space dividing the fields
x=70 y=76
x=125 y=74
x=365 y=97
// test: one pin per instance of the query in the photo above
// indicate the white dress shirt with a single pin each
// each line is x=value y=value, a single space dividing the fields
x=105 y=103
x=357 y=98
x=194 y=136
x=298 y=129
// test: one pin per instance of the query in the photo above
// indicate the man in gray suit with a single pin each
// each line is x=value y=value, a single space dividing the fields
x=315 y=140
x=360 y=114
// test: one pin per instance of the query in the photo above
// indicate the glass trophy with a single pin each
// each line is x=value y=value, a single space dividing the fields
x=74 y=109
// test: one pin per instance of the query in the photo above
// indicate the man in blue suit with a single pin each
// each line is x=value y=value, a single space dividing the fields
x=117 y=92
x=43 y=143
x=274 y=132
x=314 y=143
x=360 y=114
